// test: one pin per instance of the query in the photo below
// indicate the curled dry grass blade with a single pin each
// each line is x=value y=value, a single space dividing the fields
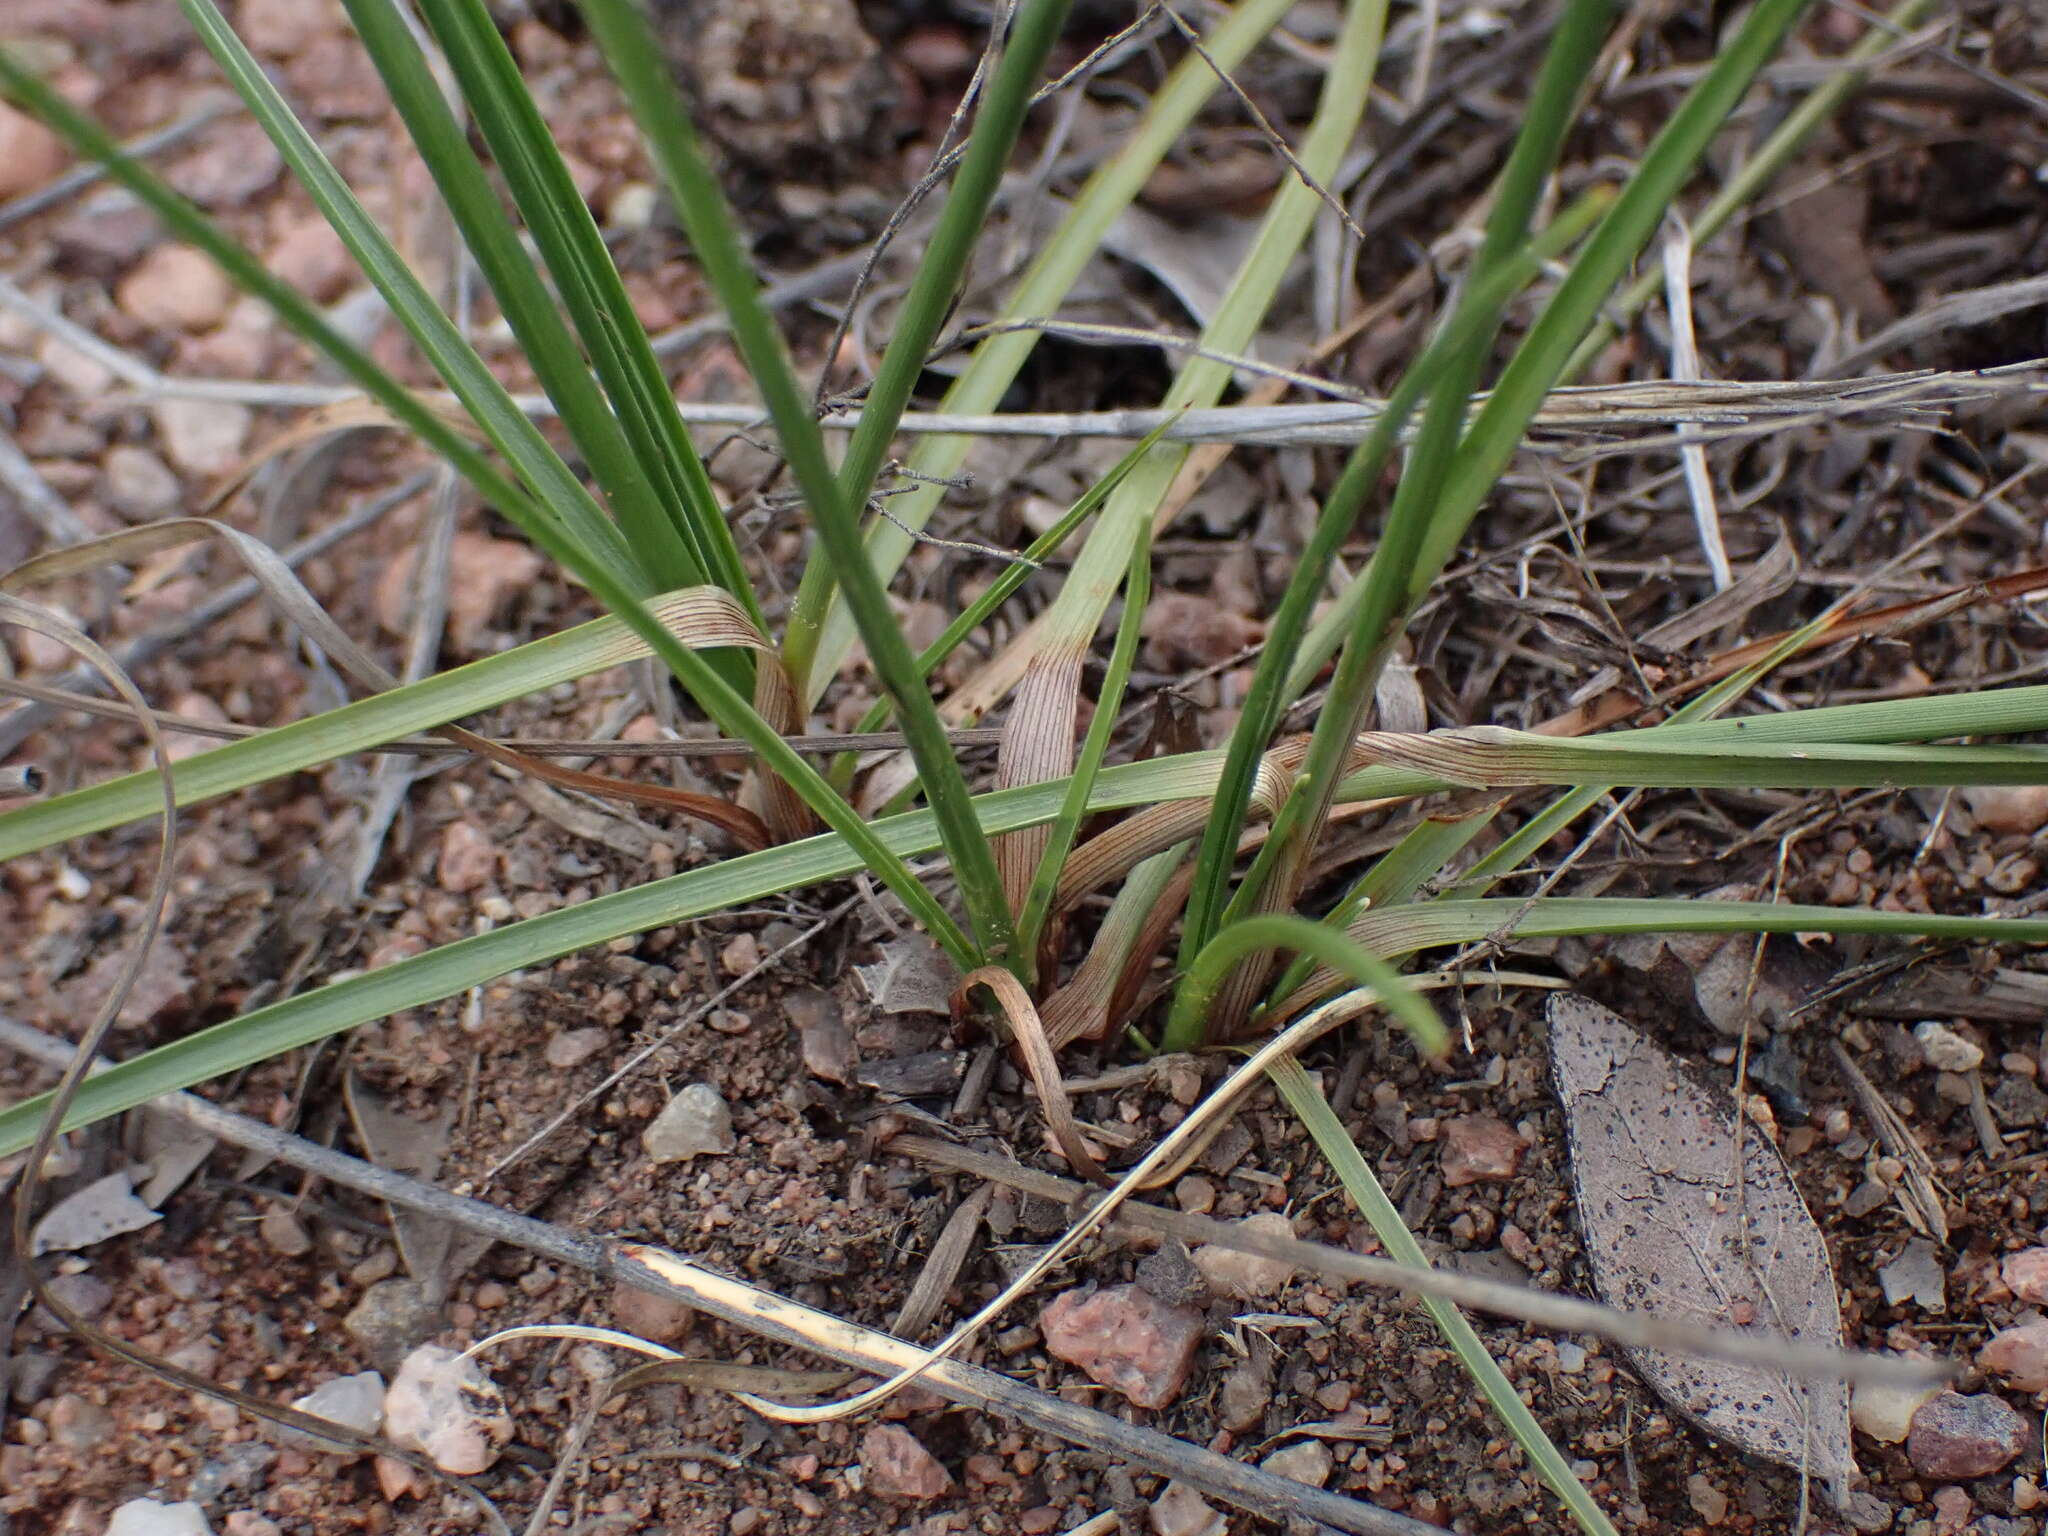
x=1036 y=1052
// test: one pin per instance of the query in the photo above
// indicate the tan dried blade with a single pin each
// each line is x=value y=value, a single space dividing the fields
x=1035 y=1051
x=701 y=617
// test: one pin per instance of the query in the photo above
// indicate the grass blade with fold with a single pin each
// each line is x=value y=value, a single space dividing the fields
x=1038 y=738
x=1419 y=508
x=661 y=560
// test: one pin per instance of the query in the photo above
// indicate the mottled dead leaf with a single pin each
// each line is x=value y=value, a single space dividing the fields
x=1668 y=1231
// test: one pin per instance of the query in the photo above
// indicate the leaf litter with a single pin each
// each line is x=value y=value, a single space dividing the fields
x=1669 y=1229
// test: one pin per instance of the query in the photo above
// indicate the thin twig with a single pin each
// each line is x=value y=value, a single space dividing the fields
x=1272 y=135
x=780 y=1319
x=41 y=505
x=1546 y=1309
x=143 y=147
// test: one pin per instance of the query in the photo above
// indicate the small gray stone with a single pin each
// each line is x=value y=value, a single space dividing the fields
x=393 y=1317
x=1170 y=1274
x=146 y=1517
x=1867 y=1512
x=140 y=485
x=283 y=1233
x=1306 y=1461
x=574 y=1047
x=237 y=1466
x=2019 y=1103
x=84 y=1293
x=826 y=1042
x=1247 y=1390
x=32 y=1375
x=694 y=1123
x=1917 y=1273
x=355 y=1402
x=1248 y=1276
x=447 y=1407
x=1181 y=1511
x=1945 y=1050
x=203 y=437
x=78 y=1423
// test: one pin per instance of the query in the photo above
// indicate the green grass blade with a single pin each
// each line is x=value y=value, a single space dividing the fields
x=453 y=968
x=607 y=642
x=1187 y=1025
x=1359 y=1181
x=507 y=427
x=1490 y=757
x=1540 y=361
x=1014 y=575
x=678 y=529
x=91 y=142
x=1274 y=682
x=1396 y=876
x=637 y=63
x=1395 y=569
x=1045 y=700
x=447 y=696
x=998 y=118
x=1761 y=165
x=820 y=632
x=1403 y=930
x=659 y=561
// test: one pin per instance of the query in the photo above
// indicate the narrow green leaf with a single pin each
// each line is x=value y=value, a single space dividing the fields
x=637 y=63
x=1359 y=1181
x=1187 y=1024
x=678 y=529
x=998 y=118
x=560 y=495
x=1395 y=570
x=658 y=562
x=1275 y=681
x=820 y=633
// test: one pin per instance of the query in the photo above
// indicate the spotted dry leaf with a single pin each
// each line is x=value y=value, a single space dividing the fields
x=1653 y=1155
